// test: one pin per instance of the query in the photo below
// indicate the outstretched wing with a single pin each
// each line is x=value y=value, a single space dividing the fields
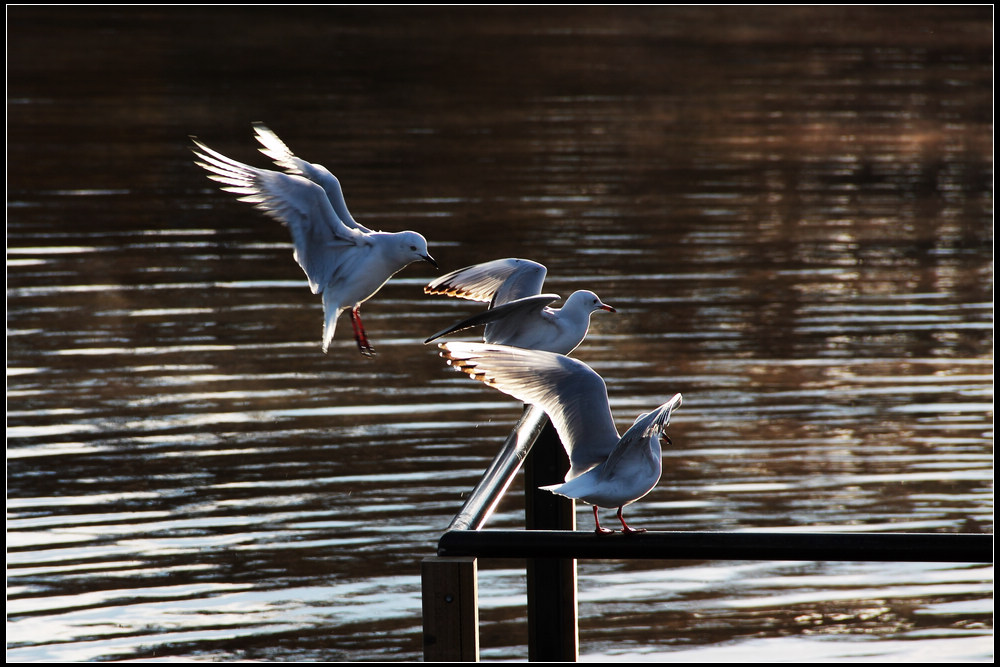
x=643 y=428
x=275 y=148
x=498 y=282
x=506 y=318
x=573 y=396
x=317 y=231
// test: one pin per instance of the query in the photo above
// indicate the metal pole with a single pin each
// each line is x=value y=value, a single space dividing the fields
x=501 y=472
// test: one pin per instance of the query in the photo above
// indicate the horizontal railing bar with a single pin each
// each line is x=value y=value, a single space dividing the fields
x=709 y=545
x=493 y=484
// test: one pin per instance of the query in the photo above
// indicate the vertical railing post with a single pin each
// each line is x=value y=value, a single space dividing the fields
x=450 y=599
x=553 y=633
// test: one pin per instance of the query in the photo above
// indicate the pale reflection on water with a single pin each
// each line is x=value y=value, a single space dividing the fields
x=791 y=210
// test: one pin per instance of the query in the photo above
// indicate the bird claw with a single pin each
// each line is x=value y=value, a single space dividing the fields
x=625 y=527
x=599 y=529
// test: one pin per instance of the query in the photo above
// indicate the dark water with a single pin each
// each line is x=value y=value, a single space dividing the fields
x=791 y=210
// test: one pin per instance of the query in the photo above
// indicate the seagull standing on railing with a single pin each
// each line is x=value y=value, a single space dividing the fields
x=518 y=315
x=344 y=260
x=606 y=469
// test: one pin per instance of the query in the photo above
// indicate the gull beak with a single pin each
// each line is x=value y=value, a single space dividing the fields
x=428 y=258
x=608 y=308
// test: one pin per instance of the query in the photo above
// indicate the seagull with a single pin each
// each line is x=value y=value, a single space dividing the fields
x=518 y=315
x=344 y=260
x=606 y=469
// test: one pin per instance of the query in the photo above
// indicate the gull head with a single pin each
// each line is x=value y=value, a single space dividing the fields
x=587 y=301
x=414 y=246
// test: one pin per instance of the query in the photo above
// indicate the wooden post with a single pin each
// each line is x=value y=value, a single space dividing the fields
x=450 y=600
x=553 y=631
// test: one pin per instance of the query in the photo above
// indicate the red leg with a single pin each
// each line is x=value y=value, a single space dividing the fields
x=360 y=337
x=625 y=526
x=600 y=531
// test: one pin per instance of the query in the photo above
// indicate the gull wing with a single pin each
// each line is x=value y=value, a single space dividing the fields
x=497 y=282
x=303 y=206
x=573 y=396
x=643 y=428
x=509 y=315
x=275 y=148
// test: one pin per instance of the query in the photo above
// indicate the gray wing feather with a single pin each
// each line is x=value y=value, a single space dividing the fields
x=275 y=148
x=642 y=429
x=573 y=396
x=293 y=200
x=498 y=282
x=516 y=310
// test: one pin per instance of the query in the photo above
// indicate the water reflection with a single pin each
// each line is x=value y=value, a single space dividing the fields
x=792 y=216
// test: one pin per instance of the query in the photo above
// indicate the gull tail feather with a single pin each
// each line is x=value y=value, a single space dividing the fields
x=330 y=315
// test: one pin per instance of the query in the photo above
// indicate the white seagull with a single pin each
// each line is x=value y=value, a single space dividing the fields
x=606 y=469
x=344 y=260
x=518 y=315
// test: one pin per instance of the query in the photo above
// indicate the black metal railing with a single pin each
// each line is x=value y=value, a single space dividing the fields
x=551 y=546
